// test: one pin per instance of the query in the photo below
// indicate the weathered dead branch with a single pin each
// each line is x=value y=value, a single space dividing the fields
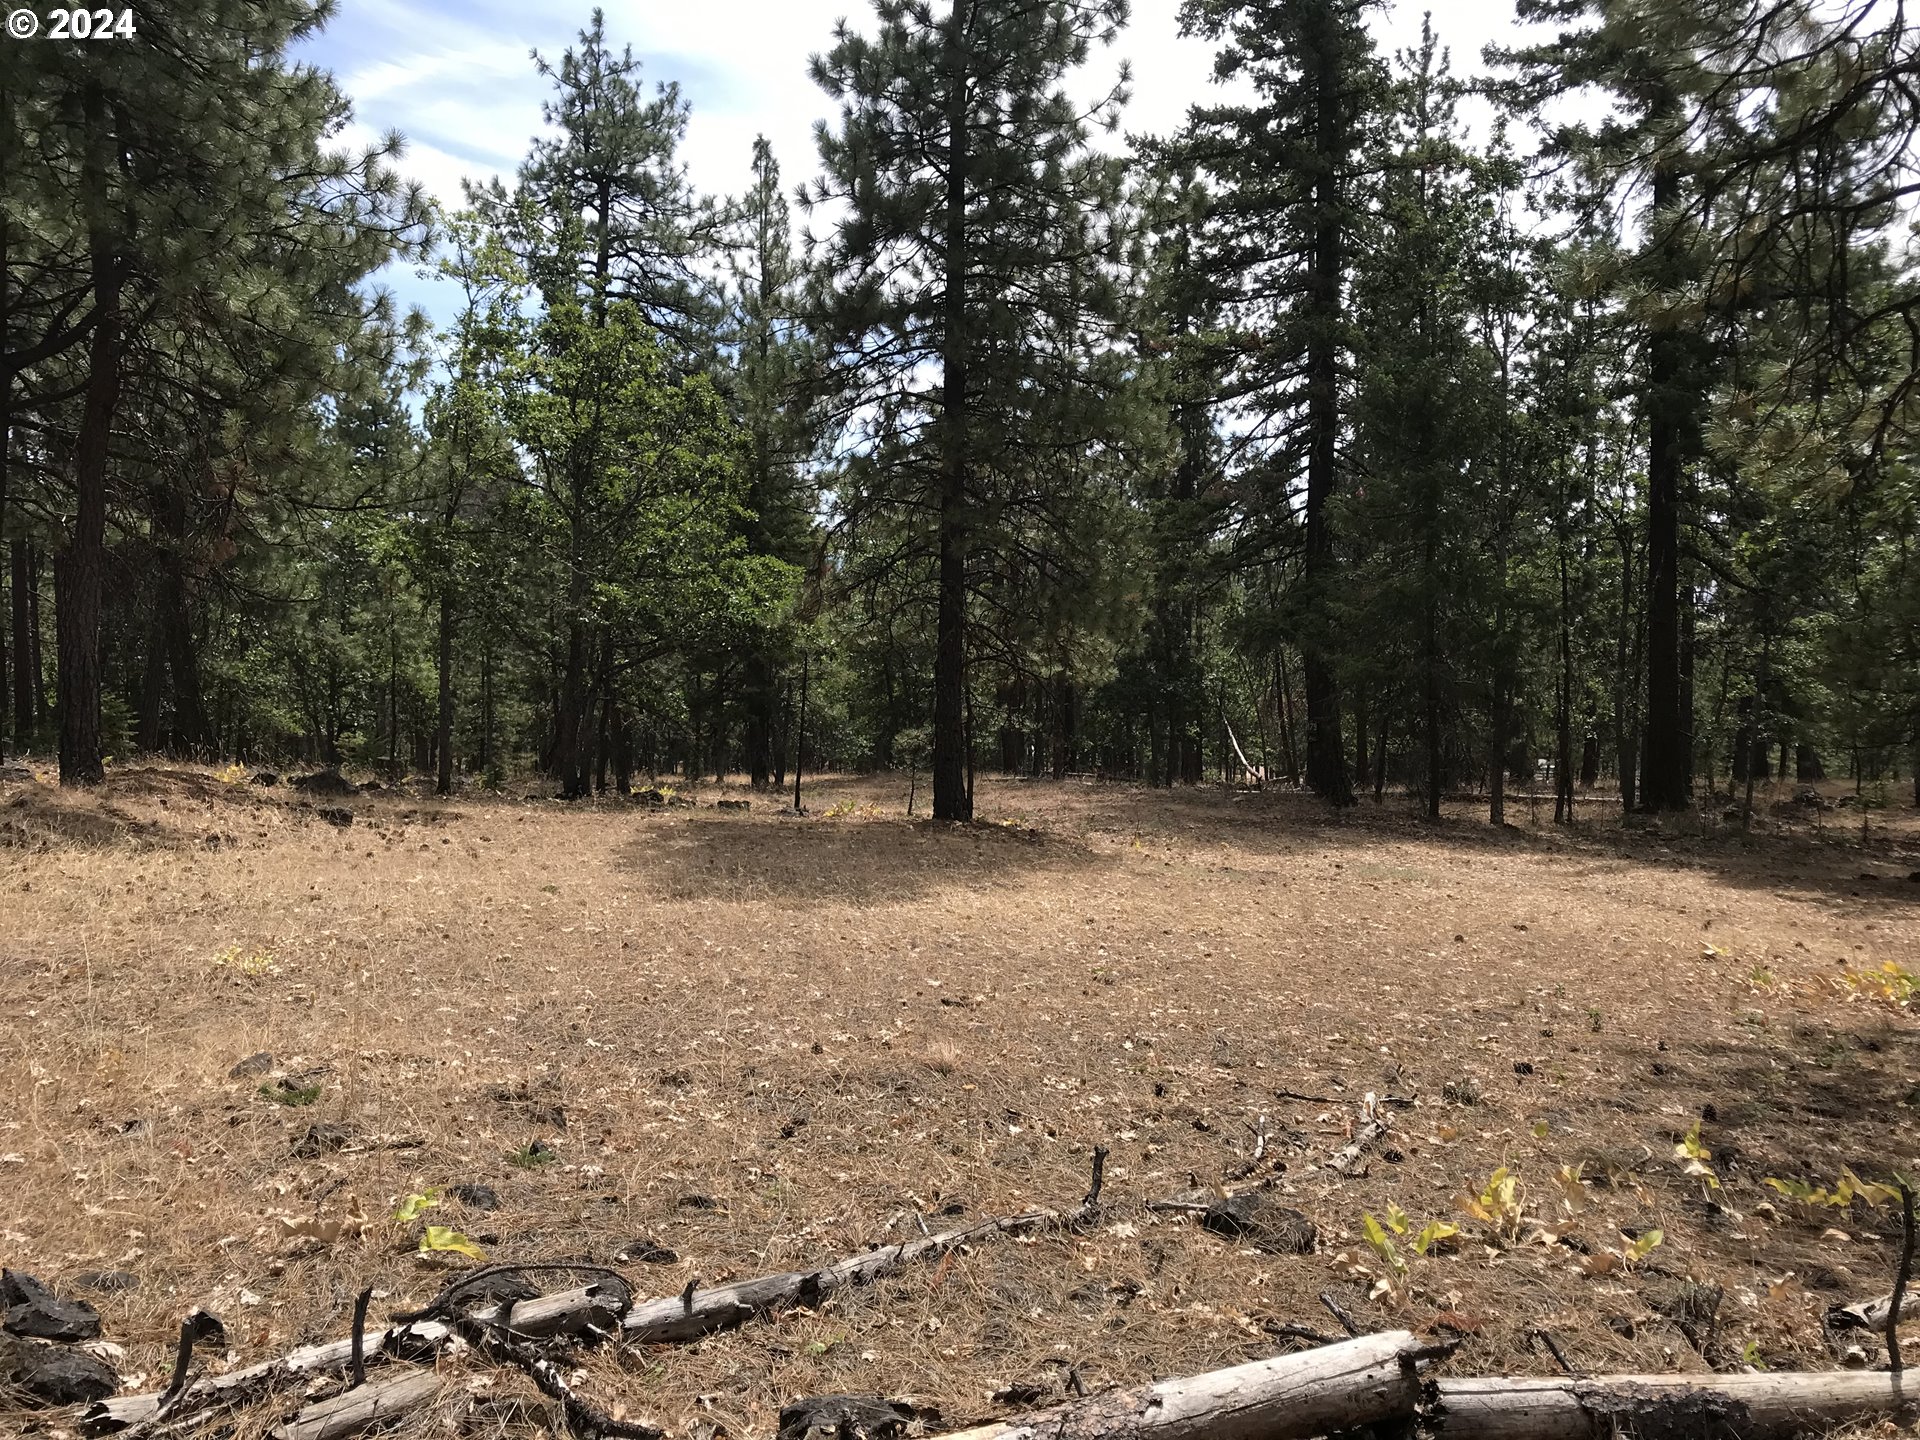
x=1752 y=1407
x=1289 y=1397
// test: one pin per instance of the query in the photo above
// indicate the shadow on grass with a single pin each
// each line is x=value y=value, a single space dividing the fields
x=1832 y=864
x=786 y=860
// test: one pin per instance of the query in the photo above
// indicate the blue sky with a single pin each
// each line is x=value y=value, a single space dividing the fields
x=457 y=80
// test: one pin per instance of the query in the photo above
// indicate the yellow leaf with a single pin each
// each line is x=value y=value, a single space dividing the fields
x=444 y=1238
x=414 y=1206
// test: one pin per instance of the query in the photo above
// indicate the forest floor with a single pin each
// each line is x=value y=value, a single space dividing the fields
x=763 y=1042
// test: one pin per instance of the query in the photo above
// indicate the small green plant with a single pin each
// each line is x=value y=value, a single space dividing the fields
x=1891 y=984
x=1500 y=1204
x=1636 y=1250
x=288 y=1093
x=1422 y=1243
x=532 y=1155
x=1750 y=1355
x=414 y=1206
x=442 y=1239
x=250 y=963
x=1593 y=1019
x=1838 y=1196
x=1690 y=1149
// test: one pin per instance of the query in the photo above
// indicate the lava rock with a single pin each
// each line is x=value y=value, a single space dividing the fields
x=259 y=1063
x=733 y=804
x=33 y=1309
x=54 y=1375
x=1258 y=1218
x=266 y=777
x=699 y=1202
x=336 y=815
x=475 y=1197
x=646 y=1252
x=844 y=1417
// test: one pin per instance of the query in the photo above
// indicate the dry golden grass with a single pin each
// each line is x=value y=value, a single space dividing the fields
x=825 y=1025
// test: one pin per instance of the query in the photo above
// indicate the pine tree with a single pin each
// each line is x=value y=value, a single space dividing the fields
x=209 y=203
x=978 y=244
x=771 y=359
x=1288 y=171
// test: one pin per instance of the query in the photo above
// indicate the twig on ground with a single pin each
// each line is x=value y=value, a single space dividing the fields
x=1259 y=1151
x=1347 y=1323
x=1894 y=1361
x=1099 y=1177
x=357 y=1366
x=1546 y=1337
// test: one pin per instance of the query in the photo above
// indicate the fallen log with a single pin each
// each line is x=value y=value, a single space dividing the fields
x=565 y=1313
x=1766 y=1406
x=361 y=1408
x=699 y=1312
x=679 y=1317
x=1289 y=1397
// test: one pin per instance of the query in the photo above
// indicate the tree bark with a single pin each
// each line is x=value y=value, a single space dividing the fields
x=1349 y=1386
x=79 y=570
x=26 y=654
x=1754 y=1407
x=361 y=1408
x=952 y=796
x=1326 y=756
x=443 y=717
x=1664 y=778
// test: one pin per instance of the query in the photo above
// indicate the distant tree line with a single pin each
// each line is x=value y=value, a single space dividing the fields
x=1319 y=439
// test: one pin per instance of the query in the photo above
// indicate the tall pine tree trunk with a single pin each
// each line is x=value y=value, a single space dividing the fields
x=26 y=653
x=1664 y=782
x=79 y=570
x=1326 y=756
x=443 y=716
x=952 y=799
x=18 y=655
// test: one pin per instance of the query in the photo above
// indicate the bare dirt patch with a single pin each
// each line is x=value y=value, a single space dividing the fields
x=763 y=1042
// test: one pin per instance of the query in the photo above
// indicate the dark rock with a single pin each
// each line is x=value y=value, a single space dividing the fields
x=321 y=1140
x=699 y=1202
x=844 y=1417
x=265 y=777
x=108 y=1282
x=1257 y=1217
x=15 y=773
x=1523 y=1067
x=325 y=782
x=645 y=1252
x=336 y=815
x=258 y=1063
x=55 y=1375
x=33 y=1309
x=733 y=804
x=475 y=1197
x=371 y=786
